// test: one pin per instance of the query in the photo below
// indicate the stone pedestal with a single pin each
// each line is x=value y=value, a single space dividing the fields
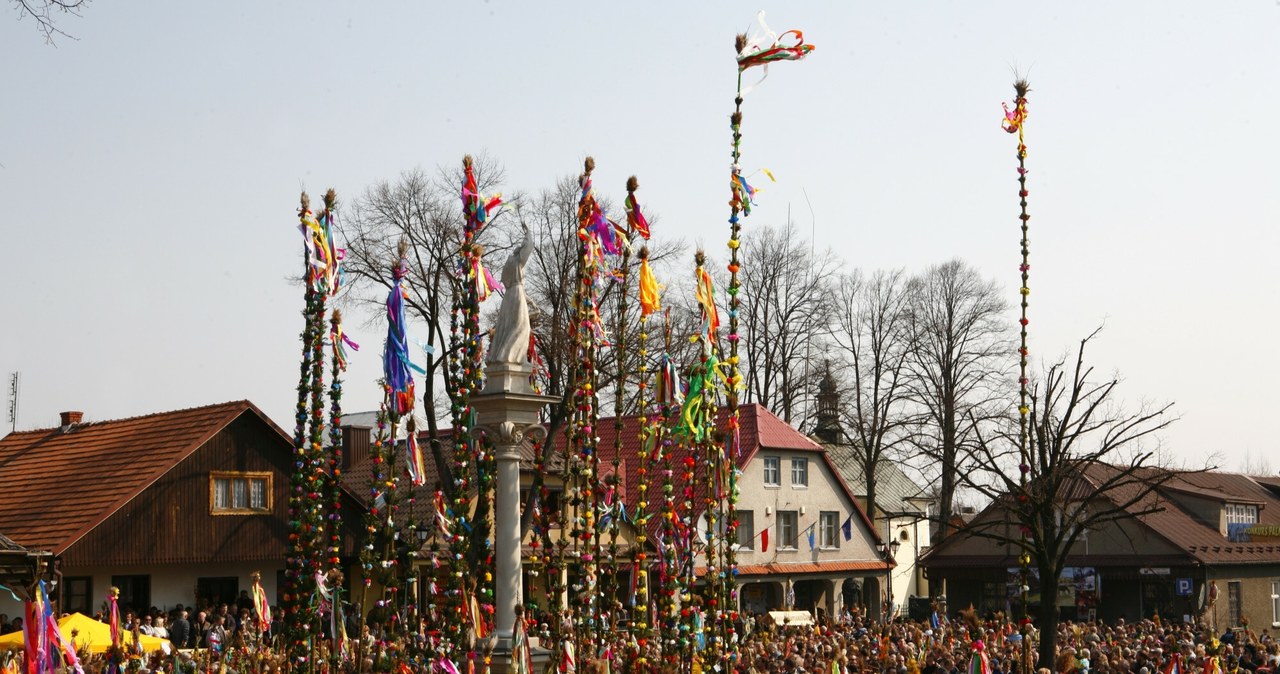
x=508 y=411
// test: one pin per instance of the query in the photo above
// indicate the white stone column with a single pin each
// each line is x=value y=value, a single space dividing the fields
x=508 y=411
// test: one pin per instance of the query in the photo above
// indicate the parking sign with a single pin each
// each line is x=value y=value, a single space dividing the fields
x=1184 y=587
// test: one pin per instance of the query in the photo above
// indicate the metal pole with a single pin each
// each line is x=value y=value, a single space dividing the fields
x=888 y=588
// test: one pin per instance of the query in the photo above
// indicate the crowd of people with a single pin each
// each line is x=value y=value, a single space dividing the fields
x=852 y=646
x=223 y=638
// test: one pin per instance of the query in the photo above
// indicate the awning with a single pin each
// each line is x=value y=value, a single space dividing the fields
x=89 y=633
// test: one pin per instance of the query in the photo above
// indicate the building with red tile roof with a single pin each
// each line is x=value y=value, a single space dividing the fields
x=165 y=506
x=790 y=489
x=808 y=499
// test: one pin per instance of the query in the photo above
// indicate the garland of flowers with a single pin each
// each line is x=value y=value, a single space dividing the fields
x=471 y=587
x=541 y=562
x=311 y=475
x=596 y=236
x=295 y=570
x=636 y=225
x=399 y=400
x=668 y=398
x=338 y=342
x=650 y=302
x=557 y=580
x=378 y=521
x=1014 y=122
x=697 y=427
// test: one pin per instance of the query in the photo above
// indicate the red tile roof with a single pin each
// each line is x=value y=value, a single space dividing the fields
x=758 y=429
x=59 y=485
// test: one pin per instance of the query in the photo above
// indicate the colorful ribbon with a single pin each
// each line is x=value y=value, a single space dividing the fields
x=779 y=49
x=767 y=47
x=635 y=218
x=706 y=297
x=416 y=462
x=340 y=342
x=474 y=205
x=396 y=366
x=261 y=606
x=650 y=291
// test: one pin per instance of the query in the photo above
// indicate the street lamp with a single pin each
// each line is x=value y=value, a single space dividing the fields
x=889 y=551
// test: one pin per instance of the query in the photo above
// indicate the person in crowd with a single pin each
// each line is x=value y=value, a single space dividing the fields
x=180 y=630
x=200 y=630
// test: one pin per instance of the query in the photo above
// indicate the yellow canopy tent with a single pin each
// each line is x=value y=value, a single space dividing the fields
x=90 y=634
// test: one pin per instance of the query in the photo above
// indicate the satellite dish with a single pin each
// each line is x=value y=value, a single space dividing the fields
x=700 y=529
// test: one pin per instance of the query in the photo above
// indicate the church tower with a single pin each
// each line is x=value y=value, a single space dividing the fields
x=827 y=426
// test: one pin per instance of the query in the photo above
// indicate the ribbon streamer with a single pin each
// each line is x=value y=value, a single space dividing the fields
x=396 y=366
x=416 y=462
x=475 y=206
x=706 y=297
x=766 y=47
x=650 y=291
x=261 y=606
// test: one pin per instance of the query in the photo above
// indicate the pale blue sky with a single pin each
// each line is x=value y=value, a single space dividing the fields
x=150 y=170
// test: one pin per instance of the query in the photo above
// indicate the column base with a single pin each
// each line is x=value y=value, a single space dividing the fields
x=502 y=662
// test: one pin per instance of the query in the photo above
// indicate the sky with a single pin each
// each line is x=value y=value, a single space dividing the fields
x=150 y=169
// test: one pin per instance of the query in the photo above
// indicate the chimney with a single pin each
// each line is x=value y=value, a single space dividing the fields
x=355 y=445
x=70 y=419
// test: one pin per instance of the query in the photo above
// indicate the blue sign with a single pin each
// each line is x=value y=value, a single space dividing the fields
x=1184 y=587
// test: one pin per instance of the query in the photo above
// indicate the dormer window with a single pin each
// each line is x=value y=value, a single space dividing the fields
x=1239 y=513
x=1240 y=517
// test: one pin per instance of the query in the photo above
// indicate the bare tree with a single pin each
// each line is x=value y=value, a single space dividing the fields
x=956 y=349
x=45 y=12
x=1087 y=465
x=422 y=211
x=786 y=307
x=552 y=217
x=869 y=333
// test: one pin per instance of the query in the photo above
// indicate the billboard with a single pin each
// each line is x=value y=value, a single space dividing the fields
x=1078 y=586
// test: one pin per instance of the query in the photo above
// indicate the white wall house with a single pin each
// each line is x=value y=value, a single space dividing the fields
x=821 y=551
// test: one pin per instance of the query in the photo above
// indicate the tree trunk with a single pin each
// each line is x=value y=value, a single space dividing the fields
x=1047 y=617
x=443 y=469
x=1047 y=623
x=869 y=474
x=947 y=486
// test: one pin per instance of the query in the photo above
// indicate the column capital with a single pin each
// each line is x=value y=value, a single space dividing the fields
x=509 y=435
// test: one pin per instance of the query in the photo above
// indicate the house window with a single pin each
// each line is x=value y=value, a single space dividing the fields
x=1233 y=602
x=239 y=493
x=1275 y=603
x=1238 y=513
x=788 y=530
x=77 y=594
x=828 y=530
x=1240 y=518
x=772 y=471
x=800 y=472
x=135 y=592
x=746 y=529
x=217 y=590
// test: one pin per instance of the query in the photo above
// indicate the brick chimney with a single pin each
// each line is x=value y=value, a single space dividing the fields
x=70 y=419
x=355 y=445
